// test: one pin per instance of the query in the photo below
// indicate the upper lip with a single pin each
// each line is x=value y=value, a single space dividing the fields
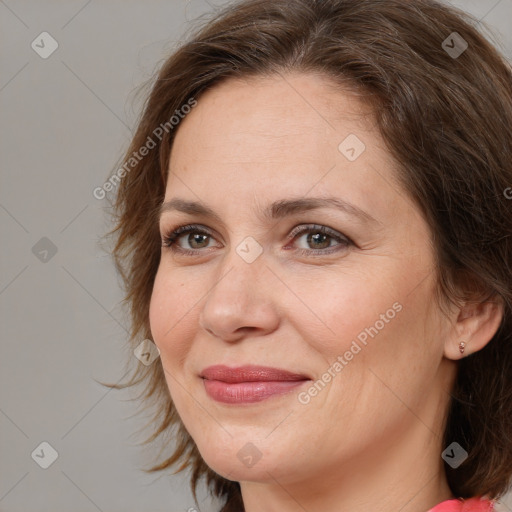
x=249 y=373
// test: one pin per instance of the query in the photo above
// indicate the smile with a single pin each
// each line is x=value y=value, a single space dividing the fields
x=248 y=384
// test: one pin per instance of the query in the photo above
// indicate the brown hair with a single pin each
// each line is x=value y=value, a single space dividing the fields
x=447 y=121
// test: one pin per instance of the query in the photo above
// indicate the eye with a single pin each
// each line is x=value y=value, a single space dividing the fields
x=318 y=237
x=198 y=238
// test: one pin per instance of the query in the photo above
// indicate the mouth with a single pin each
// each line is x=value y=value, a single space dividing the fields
x=249 y=384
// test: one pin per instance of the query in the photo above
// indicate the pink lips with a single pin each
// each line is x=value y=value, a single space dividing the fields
x=247 y=384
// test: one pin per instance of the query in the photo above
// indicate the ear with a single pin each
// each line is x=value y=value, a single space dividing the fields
x=476 y=324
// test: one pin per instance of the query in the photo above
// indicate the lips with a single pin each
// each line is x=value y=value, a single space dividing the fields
x=250 y=383
x=249 y=373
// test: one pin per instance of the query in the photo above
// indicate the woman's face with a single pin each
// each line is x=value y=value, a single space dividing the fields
x=348 y=312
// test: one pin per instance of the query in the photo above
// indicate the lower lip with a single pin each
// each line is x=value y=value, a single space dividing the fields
x=248 y=392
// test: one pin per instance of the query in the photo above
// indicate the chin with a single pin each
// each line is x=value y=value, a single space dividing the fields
x=242 y=460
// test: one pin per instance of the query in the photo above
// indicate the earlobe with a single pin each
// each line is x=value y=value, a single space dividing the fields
x=476 y=324
x=456 y=351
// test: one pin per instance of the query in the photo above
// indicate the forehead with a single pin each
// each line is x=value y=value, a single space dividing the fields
x=273 y=112
x=285 y=131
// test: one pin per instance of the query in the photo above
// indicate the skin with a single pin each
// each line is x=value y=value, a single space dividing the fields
x=371 y=438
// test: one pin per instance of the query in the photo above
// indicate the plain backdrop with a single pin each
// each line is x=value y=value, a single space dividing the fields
x=65 y=120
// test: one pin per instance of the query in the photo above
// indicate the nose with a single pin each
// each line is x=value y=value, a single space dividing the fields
x=241 y=300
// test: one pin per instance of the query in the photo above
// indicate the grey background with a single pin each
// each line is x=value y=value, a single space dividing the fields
x=65 y=121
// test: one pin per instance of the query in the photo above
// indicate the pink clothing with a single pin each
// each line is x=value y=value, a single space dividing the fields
x=460 y=505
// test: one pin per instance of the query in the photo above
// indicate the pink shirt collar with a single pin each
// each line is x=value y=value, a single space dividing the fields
x=460 y=505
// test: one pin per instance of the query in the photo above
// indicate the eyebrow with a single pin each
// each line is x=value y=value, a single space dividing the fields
x=277 y=210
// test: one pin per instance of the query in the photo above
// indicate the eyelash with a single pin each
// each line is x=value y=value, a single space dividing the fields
x=169 y=239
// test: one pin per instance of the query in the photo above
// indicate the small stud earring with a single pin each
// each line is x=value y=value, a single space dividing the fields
x=462 y=346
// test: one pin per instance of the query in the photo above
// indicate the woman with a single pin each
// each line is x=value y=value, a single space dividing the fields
x=314 y=230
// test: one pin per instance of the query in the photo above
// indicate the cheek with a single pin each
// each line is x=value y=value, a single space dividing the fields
x=373 y=322
x=170 y=313
x=160 y=311
x=345 y=306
